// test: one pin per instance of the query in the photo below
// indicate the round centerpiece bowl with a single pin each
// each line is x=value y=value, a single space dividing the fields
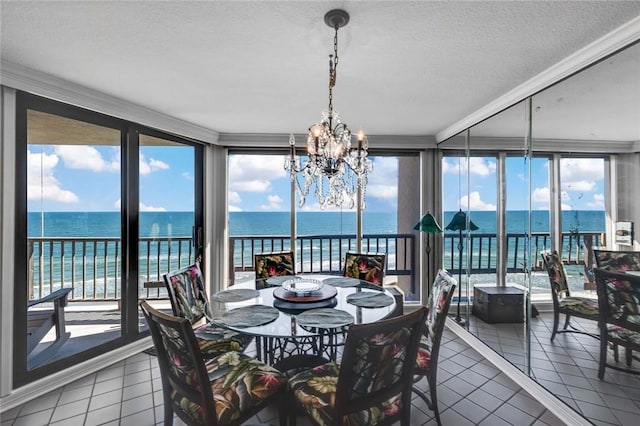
x=302 y=286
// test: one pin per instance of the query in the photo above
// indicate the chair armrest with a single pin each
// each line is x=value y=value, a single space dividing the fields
x=58 y=297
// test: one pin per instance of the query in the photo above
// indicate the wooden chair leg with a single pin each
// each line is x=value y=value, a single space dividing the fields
x=556 y=320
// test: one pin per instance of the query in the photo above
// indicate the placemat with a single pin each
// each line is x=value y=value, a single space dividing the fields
x=279 y=279
x=369 y=299
x=250 y=316
x=236 y=295
x=324 y=318
x=341 y=281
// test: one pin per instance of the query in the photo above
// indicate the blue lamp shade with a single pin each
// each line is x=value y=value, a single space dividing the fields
x=428 y=224
x=459 y=223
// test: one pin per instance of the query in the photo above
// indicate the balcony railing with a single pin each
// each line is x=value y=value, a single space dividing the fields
x=92 y=266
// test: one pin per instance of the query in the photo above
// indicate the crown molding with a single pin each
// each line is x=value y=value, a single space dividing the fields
x=281 y=140
x=591 y=53
x=43 y=84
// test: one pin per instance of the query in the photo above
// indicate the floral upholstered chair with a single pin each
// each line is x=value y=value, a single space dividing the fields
x=372 y=383
x=427 y=359
x=617 y=260
x=226 y=390
x=619 y=302
x=563 y=302
x=269 y=265
x=188 y=297
x=365 y=266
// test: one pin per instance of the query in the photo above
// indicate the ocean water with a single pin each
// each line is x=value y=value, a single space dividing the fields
x=166 y=240
x=178 y=224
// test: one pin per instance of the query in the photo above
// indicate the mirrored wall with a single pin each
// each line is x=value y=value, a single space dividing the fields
x=555 y=172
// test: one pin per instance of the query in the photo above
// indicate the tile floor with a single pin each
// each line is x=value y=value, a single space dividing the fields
x=568 y=367
x=471 y=391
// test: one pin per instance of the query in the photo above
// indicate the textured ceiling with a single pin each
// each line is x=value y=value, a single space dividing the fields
x=406 y=68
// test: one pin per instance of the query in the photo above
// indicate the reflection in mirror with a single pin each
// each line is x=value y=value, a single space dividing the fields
x=588 y=129
x=499 y=206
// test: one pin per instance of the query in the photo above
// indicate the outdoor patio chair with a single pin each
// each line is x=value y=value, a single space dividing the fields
x=226 y=390
x=365 y=266
x=40 y=321
x=269 y=265
x=563 y=302
x=427 y=359
x=188 y=297
x=372 y=383
x=614 y=260
x=618 y=299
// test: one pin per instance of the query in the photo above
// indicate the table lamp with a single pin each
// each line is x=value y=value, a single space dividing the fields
x=460 y=223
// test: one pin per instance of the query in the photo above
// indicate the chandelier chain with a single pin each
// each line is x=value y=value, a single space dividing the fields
x=333 y=70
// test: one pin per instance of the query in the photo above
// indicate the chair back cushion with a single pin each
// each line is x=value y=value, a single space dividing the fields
x=365 y=266
x=618 y=298
x=377 y=366
x=186 y=291
x=617 y=260
x=557 y=276
x=241 y=384
x=274 y=264
x=439 y=302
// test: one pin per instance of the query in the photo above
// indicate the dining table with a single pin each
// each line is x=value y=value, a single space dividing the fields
x=303 y=315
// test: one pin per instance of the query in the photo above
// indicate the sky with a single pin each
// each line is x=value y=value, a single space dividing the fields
x=87 y=178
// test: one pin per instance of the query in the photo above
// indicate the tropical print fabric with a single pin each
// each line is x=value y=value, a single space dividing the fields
x=274 y=264
x=238 y=382
x=189 y=293
x=379 y=363
x=367 y=267
x=617 y=260
x=562 y=299
x=438 y=306
x=623 y=300
x=190 y=301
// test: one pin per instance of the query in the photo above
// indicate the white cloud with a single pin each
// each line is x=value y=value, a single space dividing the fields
x=153 y=165
x=598 y=201
x=253 y=173
x=315 y=207
x=383 y=182
x=579 y=186
x=540 y=195
x=476 y=166
x=475 y=203
x=85 y=157
x=146 y=208
x=566 y=206
x=234 y=209
x=143 y=207
x=581 y=174
x=234 y=197
x=188 y=176
x=41 y=183
x=274 y=203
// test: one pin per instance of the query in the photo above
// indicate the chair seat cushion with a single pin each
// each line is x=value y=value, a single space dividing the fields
x=621 y=333
x=423 y=359
x=315 y=390
x=580 y=305
x=214 y=340
x=239 y=384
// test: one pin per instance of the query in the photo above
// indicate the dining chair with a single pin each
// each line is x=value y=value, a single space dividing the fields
x=269 y=265
x=427 y=359
x=372 y=383
x=226 y=390
x=619 y=323
x=616 y=260
x=189 y=300
x=365 y=266
x=563 y=302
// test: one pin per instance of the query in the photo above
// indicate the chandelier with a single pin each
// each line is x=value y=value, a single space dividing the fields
x=336 y=170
